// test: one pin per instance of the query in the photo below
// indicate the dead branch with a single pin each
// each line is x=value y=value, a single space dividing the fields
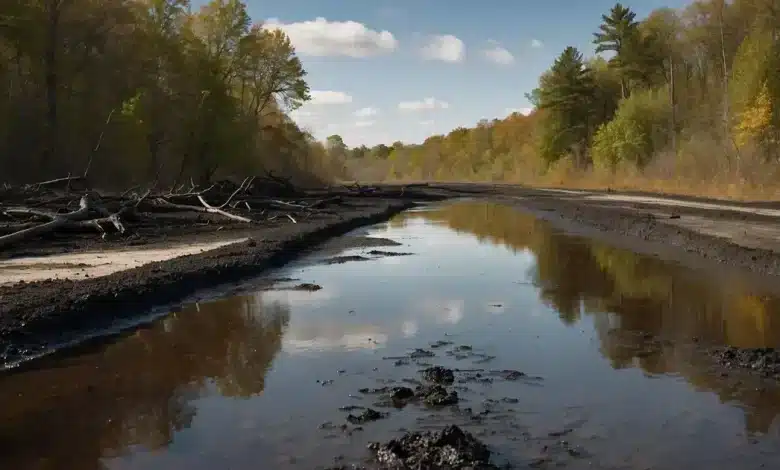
x=60 y=220
x=244 y=185
x=68 y=179
x=97 y=145
x=206 y=208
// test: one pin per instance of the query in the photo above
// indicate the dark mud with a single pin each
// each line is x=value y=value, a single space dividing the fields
x=35 y=315
x=762 y=361
x=40 y=312
x=451 y=448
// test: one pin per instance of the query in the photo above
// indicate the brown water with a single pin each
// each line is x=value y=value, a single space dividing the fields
x=237 y=383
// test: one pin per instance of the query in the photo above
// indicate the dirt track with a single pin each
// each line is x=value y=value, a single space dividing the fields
x=688 y=230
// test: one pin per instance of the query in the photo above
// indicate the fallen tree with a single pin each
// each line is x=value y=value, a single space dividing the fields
x=53 y=207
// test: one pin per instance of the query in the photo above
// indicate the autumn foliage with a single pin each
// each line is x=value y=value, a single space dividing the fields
x=148 y=89
x=682 y=100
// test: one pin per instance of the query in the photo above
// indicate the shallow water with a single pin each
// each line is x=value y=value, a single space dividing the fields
x=245 y=382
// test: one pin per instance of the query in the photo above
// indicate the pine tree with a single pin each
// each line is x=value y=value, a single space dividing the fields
x=566 y=93
x=619 y=33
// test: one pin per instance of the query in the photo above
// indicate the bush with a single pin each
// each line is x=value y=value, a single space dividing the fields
x=640 y=128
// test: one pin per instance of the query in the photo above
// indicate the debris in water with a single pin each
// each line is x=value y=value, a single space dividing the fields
x=344 y=259
x=388 y=253
x=418 y=353
x=436 y=395
x=763 y=360
x=401 y=393
x=439 y=375
x=366 y=416
x=450 y=448
x=307 y=286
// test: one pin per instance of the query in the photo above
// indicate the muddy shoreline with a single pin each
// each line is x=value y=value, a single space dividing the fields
x=44 y=309
x=472 y=398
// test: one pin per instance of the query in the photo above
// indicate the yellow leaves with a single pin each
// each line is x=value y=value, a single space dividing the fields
x=756 y=119
x=130 y=106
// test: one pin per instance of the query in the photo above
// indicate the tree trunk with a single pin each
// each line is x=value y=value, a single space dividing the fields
x=673 y=104
x=52 y=81
x=726 y=110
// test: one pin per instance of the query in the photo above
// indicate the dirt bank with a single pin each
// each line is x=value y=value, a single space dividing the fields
x=44 y=310
x=685 y=229
x=89 y=294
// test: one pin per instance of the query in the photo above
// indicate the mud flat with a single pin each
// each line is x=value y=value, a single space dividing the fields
x=74 y=280
x=177 y=253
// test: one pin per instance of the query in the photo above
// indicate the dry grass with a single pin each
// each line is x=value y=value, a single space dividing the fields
x=703 y=167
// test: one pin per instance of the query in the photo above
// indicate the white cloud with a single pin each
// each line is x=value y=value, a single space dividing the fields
x=498 y=54
x=409 y=329
x=313 y=336
x=446 y=48
x=302 y=113
x=364 y=123
x=366 y=112
x=442 y=310
x=424 y=104
x=326 y=97
x=523 y=111
x=295 y=298
x=321 y=38
x=536 y=44
x=428 y=122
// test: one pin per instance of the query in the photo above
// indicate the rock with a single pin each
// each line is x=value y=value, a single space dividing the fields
x=451 y=448
x=439 y=375
x=513 y=374
x=366 y=416
x=419 y=353
x=763 y=360
x=401 y=393
x=436 y=395
x=307 y=286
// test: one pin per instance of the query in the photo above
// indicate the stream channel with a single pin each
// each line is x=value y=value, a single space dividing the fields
x=567 y=353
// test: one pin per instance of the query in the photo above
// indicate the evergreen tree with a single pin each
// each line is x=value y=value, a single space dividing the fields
x=566 y=93
x=619 y=33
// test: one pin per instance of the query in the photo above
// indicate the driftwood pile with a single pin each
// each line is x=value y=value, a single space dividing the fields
x=65 y=205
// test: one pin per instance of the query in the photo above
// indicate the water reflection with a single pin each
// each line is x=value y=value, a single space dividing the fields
x=244 y=382
x=138 y=391
x=625 y=293
x=579 y=277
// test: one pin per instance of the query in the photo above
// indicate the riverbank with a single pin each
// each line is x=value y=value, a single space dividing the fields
x=101 y=281
x=44 y=310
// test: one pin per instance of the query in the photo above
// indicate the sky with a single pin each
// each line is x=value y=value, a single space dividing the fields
x=388 y=70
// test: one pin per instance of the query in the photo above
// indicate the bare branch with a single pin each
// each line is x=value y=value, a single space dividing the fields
x=59 y=221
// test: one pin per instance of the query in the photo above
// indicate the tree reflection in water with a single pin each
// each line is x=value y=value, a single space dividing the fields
x=625 y=293
x=140 y=389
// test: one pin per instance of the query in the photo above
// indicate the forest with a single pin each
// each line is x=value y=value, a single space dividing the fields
x=682 y=100
x=130 y=91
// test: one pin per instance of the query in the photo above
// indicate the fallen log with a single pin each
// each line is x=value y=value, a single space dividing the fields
x=206 y=208
x=59 y=220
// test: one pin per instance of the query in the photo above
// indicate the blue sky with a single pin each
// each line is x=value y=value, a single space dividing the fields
x=366 y=57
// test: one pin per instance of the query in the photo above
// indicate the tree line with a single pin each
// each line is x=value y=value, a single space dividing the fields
x=136 y=90
x=691 y=93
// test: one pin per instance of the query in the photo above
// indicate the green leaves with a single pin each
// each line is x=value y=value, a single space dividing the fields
x=566 y=92
x=617 y=30
x=196 y=93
